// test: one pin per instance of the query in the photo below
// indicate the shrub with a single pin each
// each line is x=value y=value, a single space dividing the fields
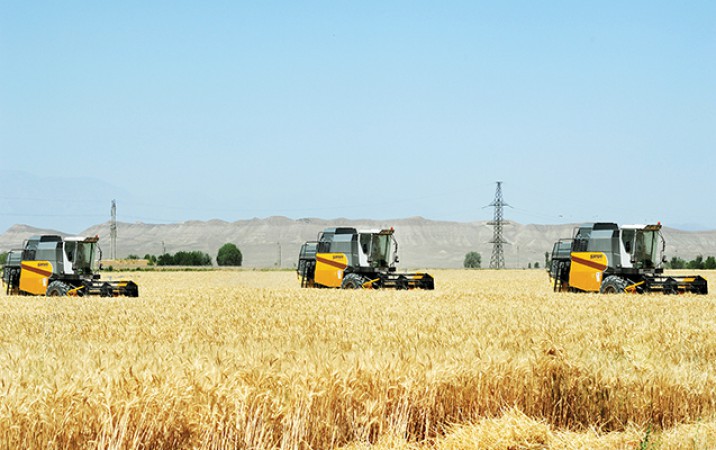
x=229 y=255
x=472 y=260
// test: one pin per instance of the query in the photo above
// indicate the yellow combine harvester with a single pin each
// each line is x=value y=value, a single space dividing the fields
x=601 y=257
x=54 y=266
x=347 y=258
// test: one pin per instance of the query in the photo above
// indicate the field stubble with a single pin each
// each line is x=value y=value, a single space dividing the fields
x=246 y=359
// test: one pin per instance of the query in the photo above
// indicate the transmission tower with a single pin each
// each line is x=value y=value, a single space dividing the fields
x=113 y=232
x=497 y=261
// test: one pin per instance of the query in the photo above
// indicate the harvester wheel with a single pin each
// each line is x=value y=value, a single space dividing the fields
x=57 y=289
x=352 y=281
x=613 y=285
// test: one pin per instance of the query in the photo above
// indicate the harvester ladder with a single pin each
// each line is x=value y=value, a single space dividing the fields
x=304 y=280
x=558 y=284
x=308 y=268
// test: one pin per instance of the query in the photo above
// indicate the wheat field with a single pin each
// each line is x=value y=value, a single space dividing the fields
x=245 y=359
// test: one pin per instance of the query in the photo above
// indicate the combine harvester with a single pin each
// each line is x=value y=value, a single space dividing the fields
x=347 y=258
x=55 y=266
x=601 y=257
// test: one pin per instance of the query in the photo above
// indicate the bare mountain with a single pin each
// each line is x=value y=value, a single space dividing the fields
x=422 y=243
x=15 y=236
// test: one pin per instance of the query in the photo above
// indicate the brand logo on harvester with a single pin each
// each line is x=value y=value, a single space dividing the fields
x=337 y=256
x=596 y=256
x=43 y=264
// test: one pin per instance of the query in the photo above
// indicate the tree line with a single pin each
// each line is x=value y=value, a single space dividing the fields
x=698 y=263
x=228 y=255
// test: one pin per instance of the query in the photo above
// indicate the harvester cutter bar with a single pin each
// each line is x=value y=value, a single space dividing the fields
x=676 y=284
x=113 y=289
x=405 y=281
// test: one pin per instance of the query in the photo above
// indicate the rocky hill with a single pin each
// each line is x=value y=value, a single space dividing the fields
x=423 y=243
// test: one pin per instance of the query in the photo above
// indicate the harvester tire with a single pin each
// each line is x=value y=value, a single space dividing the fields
x=613 y=285
x=352 y=281
x=57 y=289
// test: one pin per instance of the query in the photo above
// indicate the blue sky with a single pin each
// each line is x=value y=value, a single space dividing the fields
x=232 y=110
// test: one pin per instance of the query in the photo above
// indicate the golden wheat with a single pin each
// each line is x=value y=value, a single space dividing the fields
x=247 y=359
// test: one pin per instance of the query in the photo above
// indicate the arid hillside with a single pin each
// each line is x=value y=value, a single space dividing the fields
x=275 y=241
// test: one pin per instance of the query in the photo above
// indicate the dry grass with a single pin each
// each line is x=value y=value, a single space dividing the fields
x=243 y=359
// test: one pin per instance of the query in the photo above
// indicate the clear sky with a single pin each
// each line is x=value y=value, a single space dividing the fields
x=184 y=110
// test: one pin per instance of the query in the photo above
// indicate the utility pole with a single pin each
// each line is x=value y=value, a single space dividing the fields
x=497 y=260
x=113 y=232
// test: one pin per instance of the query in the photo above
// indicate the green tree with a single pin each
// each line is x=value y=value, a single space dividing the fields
x=229 y=255
x=183 y=258
x=165 y=260
x=536 y=266
x=710 y=263
x=696 y=264
x=472 y=260
x=3 y=258
x=195 y=258
x=677 y=263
